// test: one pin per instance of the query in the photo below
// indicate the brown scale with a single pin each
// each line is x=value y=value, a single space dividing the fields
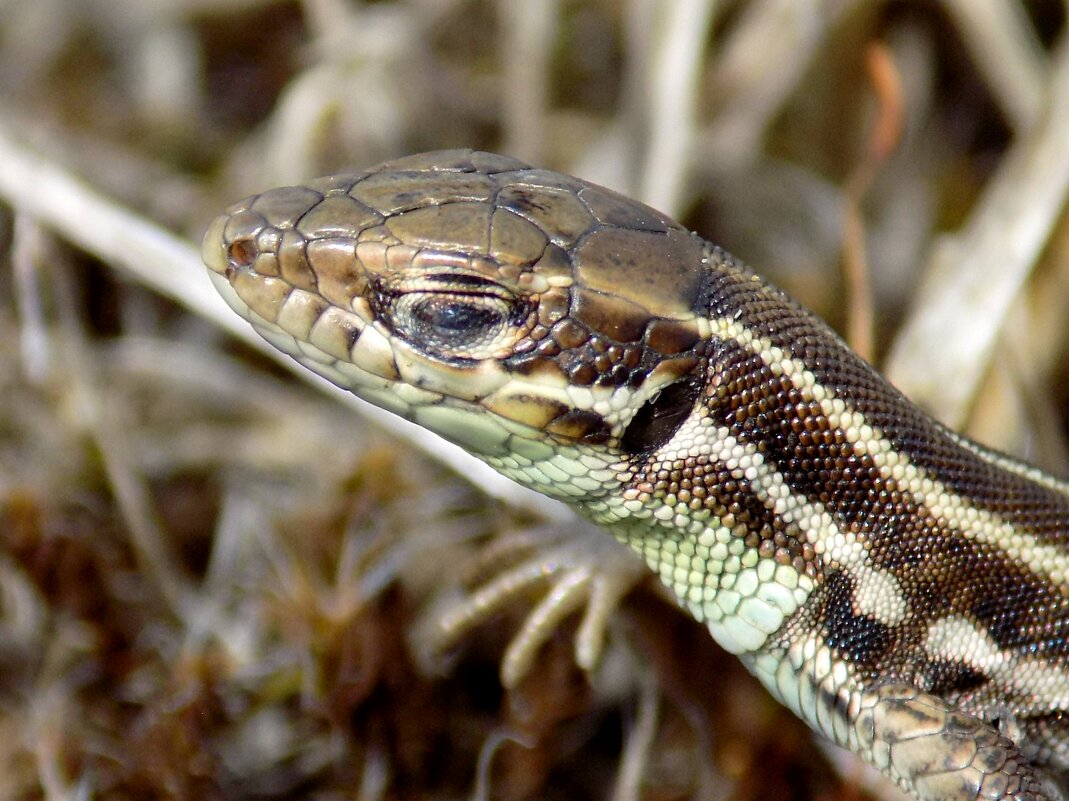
x=589 y=358
x=772 y=315
x=769 y=412
x=942 y=573
x=713 y=487
x=940 y=570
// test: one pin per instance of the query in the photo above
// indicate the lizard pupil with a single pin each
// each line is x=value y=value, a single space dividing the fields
x=451 y=318
x=452 y=324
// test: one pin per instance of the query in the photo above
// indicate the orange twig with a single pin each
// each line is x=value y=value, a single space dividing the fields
x=884 y=138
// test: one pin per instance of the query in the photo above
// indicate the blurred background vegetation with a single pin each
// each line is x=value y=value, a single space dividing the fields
x=218 y=582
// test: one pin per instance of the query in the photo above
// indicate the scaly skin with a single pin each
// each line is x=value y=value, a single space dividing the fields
x=902 y=589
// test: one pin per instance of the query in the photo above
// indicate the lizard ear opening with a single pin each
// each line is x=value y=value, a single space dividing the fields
x=660 y=417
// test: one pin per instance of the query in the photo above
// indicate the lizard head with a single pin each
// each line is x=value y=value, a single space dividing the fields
x=577 y=341
x=527 y=316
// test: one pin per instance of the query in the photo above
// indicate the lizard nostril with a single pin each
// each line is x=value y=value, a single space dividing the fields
x=241 y=253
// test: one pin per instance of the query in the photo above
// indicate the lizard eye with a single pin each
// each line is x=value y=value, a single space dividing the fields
x=469 y=325
x=456 y=317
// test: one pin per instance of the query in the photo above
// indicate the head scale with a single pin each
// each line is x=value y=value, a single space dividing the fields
x=577 y=341
x=518 y=312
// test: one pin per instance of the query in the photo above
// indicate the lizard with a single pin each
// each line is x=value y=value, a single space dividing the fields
x=901 y=588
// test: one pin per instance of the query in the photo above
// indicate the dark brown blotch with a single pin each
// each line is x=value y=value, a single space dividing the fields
x=860 y=639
